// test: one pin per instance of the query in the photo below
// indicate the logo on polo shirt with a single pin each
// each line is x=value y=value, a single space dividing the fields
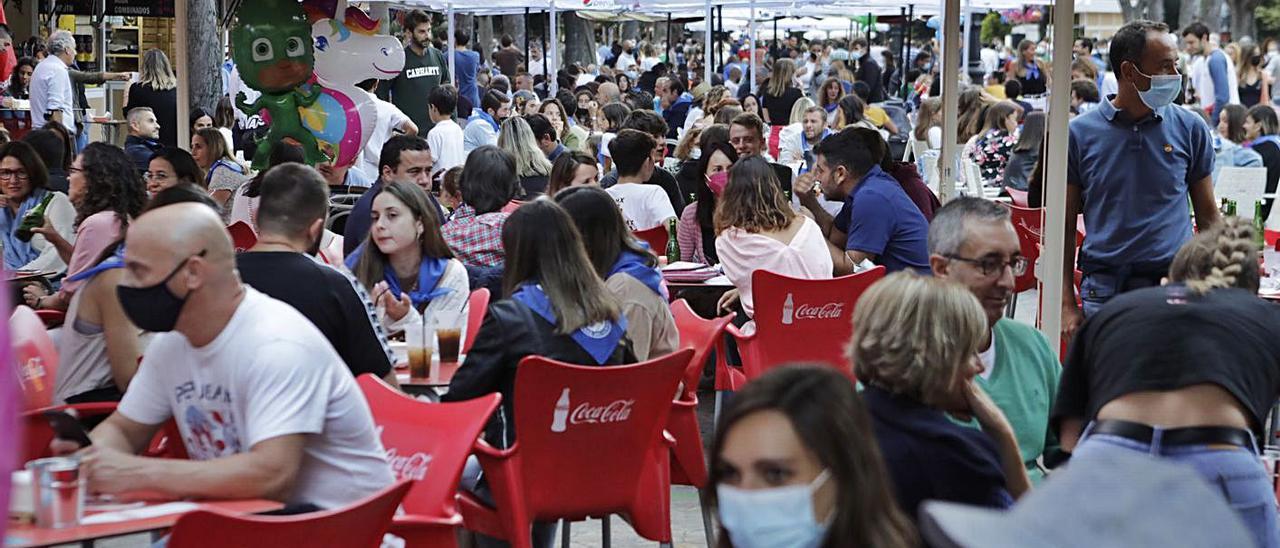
x=422 y=71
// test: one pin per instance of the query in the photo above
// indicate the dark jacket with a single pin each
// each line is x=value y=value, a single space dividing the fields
x=870 y=72
x=510 y=332
x=913 y=185
x=675 y=116
x=164 y=102
x=140 y=149
x=1271 y=159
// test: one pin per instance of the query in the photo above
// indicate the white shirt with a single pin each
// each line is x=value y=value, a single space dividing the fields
x=988 y=358
x=445 y=140
x=390 y=117
x=990 y=60
x=643 y=206
x=270 y=373
x=625 y=60
x=50 y=91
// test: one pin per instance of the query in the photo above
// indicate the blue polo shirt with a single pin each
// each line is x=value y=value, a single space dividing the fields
x=1134 y=178
x=884 y=222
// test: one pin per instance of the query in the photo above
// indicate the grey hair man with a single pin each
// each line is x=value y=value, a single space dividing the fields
x=52 y=99
x=972 y=242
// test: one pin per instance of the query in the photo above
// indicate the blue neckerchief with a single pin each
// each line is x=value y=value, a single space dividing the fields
x=685 y=97
x=18 y=253
x=116 y=260
x=485 y=116
x=598 y=339
x=805 y=147
x=633 y=264
x=831 y=107
x=1275 y=140
x=1033 y=70
x=429 y=273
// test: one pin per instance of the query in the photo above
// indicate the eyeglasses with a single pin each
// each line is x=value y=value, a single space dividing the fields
x=159 y=176
x=18 y=174
x=993 y=265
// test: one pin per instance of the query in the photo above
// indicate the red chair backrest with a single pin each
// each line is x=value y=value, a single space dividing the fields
x=428 y=442
x=800 y=320
x=578 y=460
x=242 y=236
x=1029 y=224
x=34 y=355
x=656 y=237
x=1019 y=197
x=477 y=306
x=700 y=334
x=360 y=525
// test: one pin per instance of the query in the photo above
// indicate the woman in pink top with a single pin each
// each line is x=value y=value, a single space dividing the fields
x=107 y=192
x=695 y=231
x=759 y=230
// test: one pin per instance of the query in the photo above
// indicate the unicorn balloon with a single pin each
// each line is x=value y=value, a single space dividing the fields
x=347 y=51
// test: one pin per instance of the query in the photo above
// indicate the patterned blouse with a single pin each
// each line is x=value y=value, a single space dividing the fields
x=991 y=153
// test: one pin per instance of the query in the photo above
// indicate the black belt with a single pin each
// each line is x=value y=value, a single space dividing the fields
x=1195 y=435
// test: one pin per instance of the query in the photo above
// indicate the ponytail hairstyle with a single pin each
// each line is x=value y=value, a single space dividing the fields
x=1224 y=256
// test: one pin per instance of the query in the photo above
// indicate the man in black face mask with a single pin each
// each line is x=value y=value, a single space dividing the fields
x=292 y=211
x=264 y=404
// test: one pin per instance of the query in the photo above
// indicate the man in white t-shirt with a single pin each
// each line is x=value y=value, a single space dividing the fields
x=266 y=407
x=643 y=206
x=390 y=119
x=445 y=138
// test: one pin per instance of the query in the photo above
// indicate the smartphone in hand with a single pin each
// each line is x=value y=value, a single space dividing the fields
x=67 y=427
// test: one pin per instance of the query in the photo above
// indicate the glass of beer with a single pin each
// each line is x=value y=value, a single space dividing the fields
x=449 y=333
x=419 y=342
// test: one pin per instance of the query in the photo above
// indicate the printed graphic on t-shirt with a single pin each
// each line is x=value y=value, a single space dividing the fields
x=207 y=421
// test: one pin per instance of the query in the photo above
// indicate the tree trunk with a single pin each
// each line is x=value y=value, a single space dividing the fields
x=1242 y=18
x=579 y=40
x=204 y=54
x=485 y=37
x=631 y=31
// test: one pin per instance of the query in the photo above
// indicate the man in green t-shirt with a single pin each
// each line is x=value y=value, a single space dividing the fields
x=425 y=67
x=972 y=242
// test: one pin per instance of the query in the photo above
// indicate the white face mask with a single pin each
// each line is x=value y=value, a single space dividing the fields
x=779 y=517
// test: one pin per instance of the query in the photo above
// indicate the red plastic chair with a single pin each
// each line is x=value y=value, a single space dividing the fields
x=1029 y=224
x=688 y=462
x=801 y=320
x=606 y=453
x=477 y=306
x=35 y=356
x=37 y=435
x=1019 y=197
x=429 y=442
x=361 y=524
x=656 y=237
x=242 y=236
x=51 y=318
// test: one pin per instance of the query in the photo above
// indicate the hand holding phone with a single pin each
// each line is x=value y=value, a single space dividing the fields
x=67 y=427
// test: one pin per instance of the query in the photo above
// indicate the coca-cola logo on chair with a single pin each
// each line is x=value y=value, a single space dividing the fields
x=805 y=311
x=587 y=413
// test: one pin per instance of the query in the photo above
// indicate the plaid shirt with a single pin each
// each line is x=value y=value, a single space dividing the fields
x=476 y=240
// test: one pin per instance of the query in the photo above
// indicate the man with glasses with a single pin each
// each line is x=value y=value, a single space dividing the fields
x=972 y=242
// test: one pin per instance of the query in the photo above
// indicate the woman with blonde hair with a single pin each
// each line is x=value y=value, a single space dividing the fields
x=915 y=348
x=973 y=110
x=1030 y=71
x=532 y=166
x=929 y=122
x=223 y=175
x=156 y=88
x=780 y=93
x=829 y=96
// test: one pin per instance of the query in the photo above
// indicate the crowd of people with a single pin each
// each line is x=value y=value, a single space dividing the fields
x=496 y=183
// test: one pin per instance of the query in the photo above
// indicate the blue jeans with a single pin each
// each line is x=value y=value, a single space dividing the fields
x=1235 y=471
x=82 y=139
x=1098 y=288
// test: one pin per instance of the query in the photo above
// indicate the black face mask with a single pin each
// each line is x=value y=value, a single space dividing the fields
x=154 y=308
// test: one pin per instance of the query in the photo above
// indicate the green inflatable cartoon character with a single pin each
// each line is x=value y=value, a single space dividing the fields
x=272 y=48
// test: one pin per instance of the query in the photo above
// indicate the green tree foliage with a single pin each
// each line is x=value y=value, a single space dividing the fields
x=993 y=28
x=1267 y=17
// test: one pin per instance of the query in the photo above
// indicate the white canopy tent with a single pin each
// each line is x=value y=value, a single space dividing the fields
x=1055 y=225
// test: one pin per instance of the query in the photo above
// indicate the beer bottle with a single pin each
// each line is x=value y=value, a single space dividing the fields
x=33 y=219
x=1231 y=208
x=673 y=247
x=1259 y=225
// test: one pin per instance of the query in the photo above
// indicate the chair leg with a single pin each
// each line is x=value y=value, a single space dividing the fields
x=708 y=518
x=605 y=531
x=715 y=415
x=564 y=533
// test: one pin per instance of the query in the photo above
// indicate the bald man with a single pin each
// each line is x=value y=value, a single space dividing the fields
x=608 y=93
x=266 y=407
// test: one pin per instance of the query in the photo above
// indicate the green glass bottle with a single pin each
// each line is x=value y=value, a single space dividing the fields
x=1231 y=208
x=1259 y=225
x=33 y=219
x=673 y=247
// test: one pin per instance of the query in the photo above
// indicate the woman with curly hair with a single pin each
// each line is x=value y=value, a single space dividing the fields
x=107 y=193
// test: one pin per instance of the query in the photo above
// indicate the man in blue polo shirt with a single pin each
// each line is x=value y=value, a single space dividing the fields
x=885 y=226
x=1131 y=165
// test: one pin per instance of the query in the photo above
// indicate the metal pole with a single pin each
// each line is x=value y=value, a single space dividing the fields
x=751 y=40
x=526 y=34
x=968 y=30
x=667 y=55
x=706 y=38
x=950 y=98
x=546 y=74
x=453 y=49
x=911 y=17
x=554 y=51
x=1055 y=170
x=720 y=43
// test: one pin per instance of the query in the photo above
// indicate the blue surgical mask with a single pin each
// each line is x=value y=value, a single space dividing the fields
x=1164 y=89
x=855 y=54
x=781 y=517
